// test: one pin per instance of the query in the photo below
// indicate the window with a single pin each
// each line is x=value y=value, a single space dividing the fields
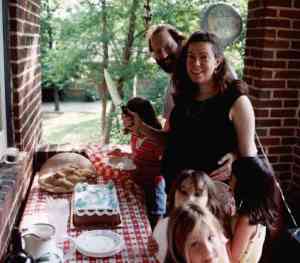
x=3 y=130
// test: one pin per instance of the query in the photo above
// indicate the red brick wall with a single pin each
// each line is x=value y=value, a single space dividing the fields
x=272 y=68
x=25 y=73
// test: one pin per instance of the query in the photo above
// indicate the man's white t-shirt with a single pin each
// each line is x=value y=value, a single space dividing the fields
x=168 y=100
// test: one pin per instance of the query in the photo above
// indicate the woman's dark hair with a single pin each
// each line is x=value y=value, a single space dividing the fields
x=185 y=89
x=145 y=111
x=255 y=190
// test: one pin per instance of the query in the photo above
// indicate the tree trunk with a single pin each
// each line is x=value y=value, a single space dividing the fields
x=129 y=42
x=108 y=115
x=104 y=123
x=147 y=14
x=49 y=28
x=103 y=111
x=107 y=129
x=50 y=46
x=56 y=100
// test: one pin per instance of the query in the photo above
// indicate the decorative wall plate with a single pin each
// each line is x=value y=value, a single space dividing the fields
x=224 y=21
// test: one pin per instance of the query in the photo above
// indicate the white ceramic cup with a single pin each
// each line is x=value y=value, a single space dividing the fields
x=10 y=156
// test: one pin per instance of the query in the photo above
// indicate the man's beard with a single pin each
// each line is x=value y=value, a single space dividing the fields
x=167 y=64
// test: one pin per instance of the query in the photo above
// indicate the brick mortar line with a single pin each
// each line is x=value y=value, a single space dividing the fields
x=33 y=3
x=31 y=81
x=270 y=49
x=267 y=79
x=21 y=47
x=17 y=33
x=28 y=118
x=39 y=6
x=29 y=104
x=28 y=83
x=25 y=72
x=275 y=8
x=28 y=58
x=25 y=21
x=31 y=91
x=17 y=48
x=30 y=138
x=26 y=10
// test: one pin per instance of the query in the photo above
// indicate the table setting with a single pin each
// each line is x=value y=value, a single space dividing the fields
x=47 y=222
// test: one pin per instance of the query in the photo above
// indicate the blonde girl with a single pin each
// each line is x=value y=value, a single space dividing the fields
x=195 y=236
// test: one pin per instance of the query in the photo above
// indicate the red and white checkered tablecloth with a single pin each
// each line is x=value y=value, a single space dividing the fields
x=135 y=228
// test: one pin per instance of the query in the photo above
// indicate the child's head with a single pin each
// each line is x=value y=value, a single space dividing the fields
x=195 y=236
x=145 y=111
x=194 y=186
x=255 y=190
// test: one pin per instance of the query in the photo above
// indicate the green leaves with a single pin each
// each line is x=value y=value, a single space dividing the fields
x=72 y=42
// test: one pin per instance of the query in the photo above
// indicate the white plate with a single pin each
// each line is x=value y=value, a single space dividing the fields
x=122 y=163
x=99 y=243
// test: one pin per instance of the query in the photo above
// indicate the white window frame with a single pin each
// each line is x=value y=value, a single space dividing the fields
x=3 y=129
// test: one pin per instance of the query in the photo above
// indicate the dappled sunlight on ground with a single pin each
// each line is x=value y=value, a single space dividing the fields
x=71 y=127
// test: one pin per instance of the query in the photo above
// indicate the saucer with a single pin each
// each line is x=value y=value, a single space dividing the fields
x=99 y=243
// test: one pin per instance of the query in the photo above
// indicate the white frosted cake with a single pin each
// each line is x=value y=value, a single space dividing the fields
x=95 y=205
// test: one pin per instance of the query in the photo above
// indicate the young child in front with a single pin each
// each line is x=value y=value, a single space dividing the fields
x=146 y=156
x=189 y=186
x=195 y=236
x=256 y=209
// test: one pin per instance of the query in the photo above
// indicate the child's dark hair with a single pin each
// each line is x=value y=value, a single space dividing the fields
x=200 y=180
x=145 y=111
x=255 y=190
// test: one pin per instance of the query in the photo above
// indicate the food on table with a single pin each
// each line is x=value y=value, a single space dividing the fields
x=61 y=172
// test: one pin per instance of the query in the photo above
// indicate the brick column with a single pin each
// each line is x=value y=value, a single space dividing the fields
x=272 y=68
x=24 y=22
x=25 y=69
x=296 y=85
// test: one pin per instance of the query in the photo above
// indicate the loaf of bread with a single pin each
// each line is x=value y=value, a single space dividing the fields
x=61 y=172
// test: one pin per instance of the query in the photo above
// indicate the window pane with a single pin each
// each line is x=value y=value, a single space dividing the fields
x=3 y=142
x=1 y=114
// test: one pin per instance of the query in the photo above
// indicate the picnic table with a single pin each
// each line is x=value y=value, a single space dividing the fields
x=135 y=228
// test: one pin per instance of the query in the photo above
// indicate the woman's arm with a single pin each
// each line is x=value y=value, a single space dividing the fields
x=242 y=115
x=242 y=234
x=142 y=129
x=223 y=173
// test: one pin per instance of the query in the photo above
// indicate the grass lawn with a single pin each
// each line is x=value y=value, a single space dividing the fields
x=71 y=127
